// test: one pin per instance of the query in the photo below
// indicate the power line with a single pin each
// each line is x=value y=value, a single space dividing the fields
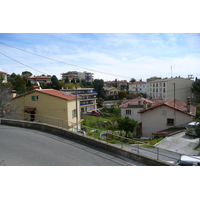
x=22 y=63
x=62 y=61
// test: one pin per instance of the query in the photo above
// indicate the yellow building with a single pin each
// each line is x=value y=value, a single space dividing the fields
x=48 y=106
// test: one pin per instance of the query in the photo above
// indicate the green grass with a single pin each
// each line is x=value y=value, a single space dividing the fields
x=154 y=141
x=147 y=146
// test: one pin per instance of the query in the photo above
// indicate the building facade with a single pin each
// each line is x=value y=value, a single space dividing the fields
x=111 y=92
x=137 y=87
x=74 y=75
x=166 y=115
x=87 y=97
x=4 y=76
x=131 y=107
x=39 y=79
x=169 y=88
x=48 y=106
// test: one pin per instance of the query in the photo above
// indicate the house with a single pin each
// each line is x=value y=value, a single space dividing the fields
x=111 y=92
x=48 y=105
x=169 y=88
x=3 y=75
x=87 y=98
x=162 y=116
x=137 y=87
x=131 y=107
x=39 y=79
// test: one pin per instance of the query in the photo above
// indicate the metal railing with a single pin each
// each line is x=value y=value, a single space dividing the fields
x=136 y=145
x=44 y=119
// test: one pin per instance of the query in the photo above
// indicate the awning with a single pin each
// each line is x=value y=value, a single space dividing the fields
x=29 y=110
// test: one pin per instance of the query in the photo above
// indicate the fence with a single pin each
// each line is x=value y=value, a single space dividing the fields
x=45 y=119
x=138 y=146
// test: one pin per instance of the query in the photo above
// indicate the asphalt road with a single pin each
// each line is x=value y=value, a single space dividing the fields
x=27 y=147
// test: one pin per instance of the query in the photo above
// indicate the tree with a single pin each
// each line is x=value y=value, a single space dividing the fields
x=67 y=80
x=196 y=89
x=98 y=85
x=126 y=124
x=2 y=76
x=5 y=98
x=132 y=80
x=18 y=83
x=26 y=74
x=55 y=83
x=122 y=94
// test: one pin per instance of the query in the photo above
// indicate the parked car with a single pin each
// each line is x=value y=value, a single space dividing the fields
x=94 y=112
x=190 y=129
x=189 y=161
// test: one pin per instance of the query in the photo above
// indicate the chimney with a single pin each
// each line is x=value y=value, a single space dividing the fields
x=144 y=105
x=188 y=104
x=13 y=93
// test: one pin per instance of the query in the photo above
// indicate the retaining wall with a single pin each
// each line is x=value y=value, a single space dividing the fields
x=88 y=140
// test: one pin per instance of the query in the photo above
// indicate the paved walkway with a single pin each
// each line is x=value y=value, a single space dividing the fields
x=180 y=143
x=170 y=148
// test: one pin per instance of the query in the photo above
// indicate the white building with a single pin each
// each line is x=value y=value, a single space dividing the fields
x=131 y=107
x=169 y=88
x=166 y=115
x=137 y=87
x=4 y=76
x=87 y=76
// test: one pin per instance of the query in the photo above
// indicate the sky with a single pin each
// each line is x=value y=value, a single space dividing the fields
x=109 y=56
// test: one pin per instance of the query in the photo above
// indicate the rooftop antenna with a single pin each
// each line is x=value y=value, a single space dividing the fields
x=171 y=71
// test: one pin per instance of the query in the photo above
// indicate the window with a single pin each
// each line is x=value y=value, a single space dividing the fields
x=34 y=98
x=170 y=122
x=128 y=112
x=73 y=113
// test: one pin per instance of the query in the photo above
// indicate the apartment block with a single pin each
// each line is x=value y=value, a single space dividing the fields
x=137 y=87
x=87 y=97
x=169 y=88
x=87 y=76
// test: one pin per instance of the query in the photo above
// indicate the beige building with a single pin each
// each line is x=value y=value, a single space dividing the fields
x=169 y=88
x=111 y=92
x=48 y=106
x=166 y=115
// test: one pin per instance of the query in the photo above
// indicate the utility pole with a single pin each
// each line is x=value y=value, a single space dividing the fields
x=174 y=95
x=76 y=109
x=174 y=100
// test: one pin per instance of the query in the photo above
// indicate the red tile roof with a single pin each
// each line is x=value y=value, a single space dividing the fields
x=2 y=72
x=57 y=93
x=127 y=102
x=179 y=106
x=52 y=92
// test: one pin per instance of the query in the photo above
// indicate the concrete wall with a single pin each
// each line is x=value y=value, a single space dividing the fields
x=88 y=140
x=156 y=119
